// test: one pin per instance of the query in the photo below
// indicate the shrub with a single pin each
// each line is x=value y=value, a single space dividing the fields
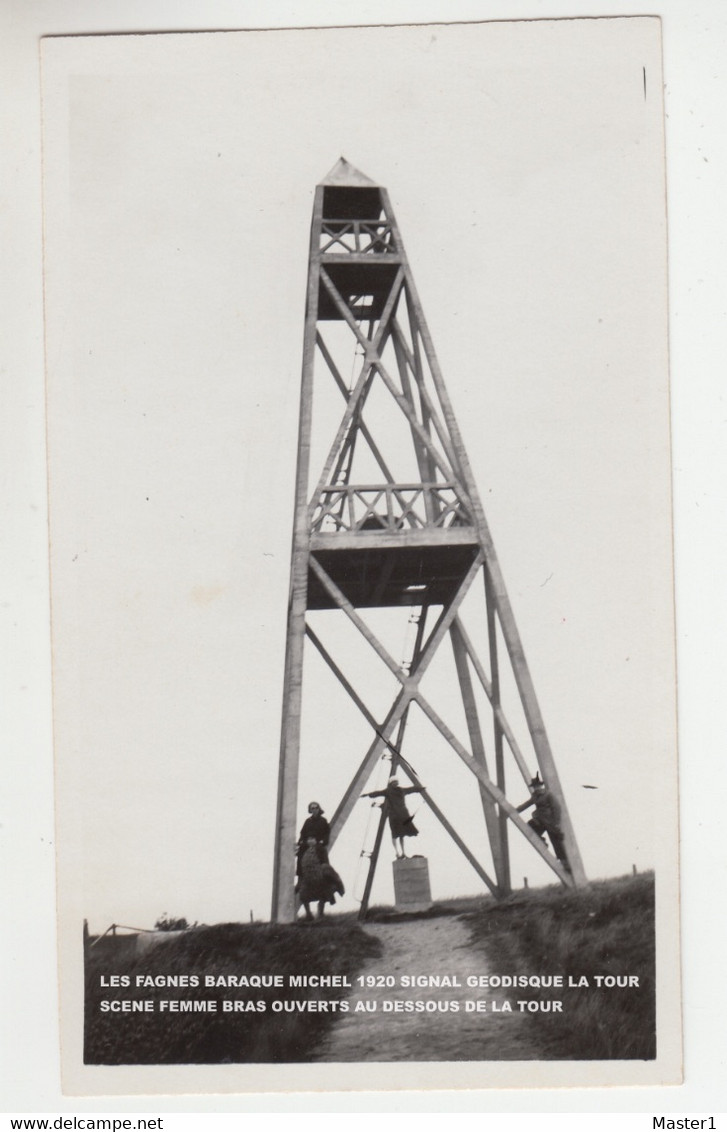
x=169 y=924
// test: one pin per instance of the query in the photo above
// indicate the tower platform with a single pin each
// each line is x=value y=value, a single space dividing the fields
x=381 y=571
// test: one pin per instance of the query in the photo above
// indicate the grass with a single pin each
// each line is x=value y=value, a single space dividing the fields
x=604 y=929
x=156 y=1038
x=453 y=906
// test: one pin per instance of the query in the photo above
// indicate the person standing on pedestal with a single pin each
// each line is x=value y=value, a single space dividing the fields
x=401 y=822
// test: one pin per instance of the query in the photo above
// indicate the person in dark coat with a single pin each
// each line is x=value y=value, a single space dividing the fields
x=315 y=826
x=401 y=822
x=546 y=818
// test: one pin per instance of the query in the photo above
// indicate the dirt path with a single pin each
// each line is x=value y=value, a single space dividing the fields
x=436 y=947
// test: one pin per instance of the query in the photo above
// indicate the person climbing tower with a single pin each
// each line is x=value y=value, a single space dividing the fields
x=546 y=818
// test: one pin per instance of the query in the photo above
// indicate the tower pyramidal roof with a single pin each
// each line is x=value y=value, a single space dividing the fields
x=343 y=174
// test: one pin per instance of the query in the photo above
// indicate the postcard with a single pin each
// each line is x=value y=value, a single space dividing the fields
x=362 y=591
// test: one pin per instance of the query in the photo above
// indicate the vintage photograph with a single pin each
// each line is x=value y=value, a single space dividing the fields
x=360 y=521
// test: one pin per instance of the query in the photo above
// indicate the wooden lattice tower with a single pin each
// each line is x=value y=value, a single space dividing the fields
x=392 y=541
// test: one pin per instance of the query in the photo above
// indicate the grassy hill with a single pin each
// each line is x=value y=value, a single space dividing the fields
x=165 y=1035
x=605 y=930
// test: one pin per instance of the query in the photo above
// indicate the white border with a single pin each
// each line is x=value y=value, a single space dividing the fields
x=695 y=36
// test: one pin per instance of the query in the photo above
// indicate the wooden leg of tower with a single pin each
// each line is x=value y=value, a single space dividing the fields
x=372 y=865
x=284 y=906
x=497 y=711
x=499 y=752
x=478 y=748
x=531 y=708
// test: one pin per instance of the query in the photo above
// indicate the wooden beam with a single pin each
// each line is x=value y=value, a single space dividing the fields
x=429 y=412
x=417 y=368
x=497 y=726
x=493 y=791
x=365 y=432
x=461 y=845
x=337 y=672
x=341 y=433
x=424 y=436
x=283 y=897
x=445 y=620
x=420 y=451
x=373 y=861
x=497 y=708
x=345 y=454
x=478 y=747
x=409 y=536
x=343 y=603
x=330 y=258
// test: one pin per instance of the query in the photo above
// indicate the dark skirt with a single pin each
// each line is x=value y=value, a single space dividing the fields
x=405 y=828
x=400 y=820
x=318 y=880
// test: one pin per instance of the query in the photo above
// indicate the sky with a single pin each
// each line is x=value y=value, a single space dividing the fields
x=525 y=166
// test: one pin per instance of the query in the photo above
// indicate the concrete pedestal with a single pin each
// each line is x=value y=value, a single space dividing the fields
x=411 y=885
